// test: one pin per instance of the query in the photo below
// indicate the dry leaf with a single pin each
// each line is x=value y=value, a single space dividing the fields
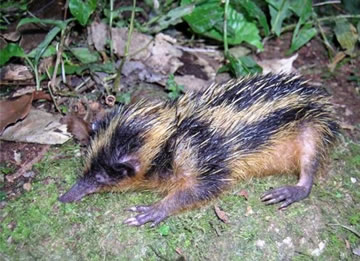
x=278 y=65
x=13 y=110
x=356 y=251
x=221 y=215
x=15 y=72
x=191 y=83
x=249 y=211
x=139 y=43
x=38 y=127
x=338 y=58
x=244 y=193
x=164 y=56
x=27 y=186
x=78 y=127
x=98 y=35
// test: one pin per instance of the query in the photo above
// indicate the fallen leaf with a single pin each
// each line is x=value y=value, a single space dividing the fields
x=178 y=250
x=15 y=72
x=356 y=251
x=244 y=193
x=139 y=44
x=249 y=211
x=191 y=83
x=17 y=157
x=27 y=186
x=78 y=127
x=221 y=215
x=164 y=56
x=347 y=244
x=13 y=110
x=99 y=35
x=338 y=58
x=284 y=65
x=38 y=127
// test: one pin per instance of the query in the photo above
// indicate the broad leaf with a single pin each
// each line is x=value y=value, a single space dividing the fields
x=208 y=19
x=171 y=18
x=305 y=35
x=84 y=55
x=255 y=12
x=82 y=10
x=279 y=10
x=10 y=50
x=58 y=23
x=44 y=45
x=346 y=35
x=205 y=16
x=242 y=66
x=50 y=50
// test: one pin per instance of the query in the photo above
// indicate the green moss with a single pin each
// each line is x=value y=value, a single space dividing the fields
x=38 y=226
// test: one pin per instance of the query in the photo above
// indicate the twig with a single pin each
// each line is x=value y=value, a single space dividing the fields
x=323 y=19
x=328 y=3
x=66 y=9
x=126 y=49
x=52 y=94
x=110 y=29
x=197 y=50
x=348 y=228
x=77 y=88
x=58 y=58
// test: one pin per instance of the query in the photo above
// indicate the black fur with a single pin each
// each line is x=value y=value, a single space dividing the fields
x=247 y=93
x=162 y=163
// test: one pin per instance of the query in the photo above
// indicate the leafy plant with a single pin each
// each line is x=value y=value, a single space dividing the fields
x=173 y=87
x=207 y=19
x=241 y=66
x=124 y=98
x=82 y=10
x=59 y=26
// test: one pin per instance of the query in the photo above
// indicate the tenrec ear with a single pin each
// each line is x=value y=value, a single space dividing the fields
x=132 y=165
x=102 y=178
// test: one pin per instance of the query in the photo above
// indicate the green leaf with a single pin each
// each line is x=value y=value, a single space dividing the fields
x=279 y=10
x=305 y=35
x=58 y=23
x=106 y=67
x=241 y=30
x=124 y=98
x=10 y=50
x=44 y=44
x=164 y=230
x=82 y=10
x=255 y=12
x=244 y=66
x=173 y=87
x=117 y=12
x=84 y=55
x=171 y=18
x=208 y=19
x=50 y=50
x=205 y=15
x=346 y=35
x=303 y=9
